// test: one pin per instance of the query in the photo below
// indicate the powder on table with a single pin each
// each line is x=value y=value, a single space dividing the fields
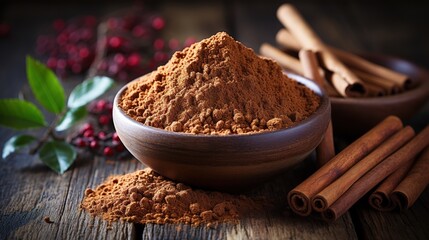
x=218 y=86
x=146 y=197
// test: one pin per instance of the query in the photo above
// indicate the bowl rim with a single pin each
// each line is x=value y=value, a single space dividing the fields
x=325 y=105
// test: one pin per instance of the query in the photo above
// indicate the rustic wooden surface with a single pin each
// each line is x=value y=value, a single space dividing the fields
x=30 y=192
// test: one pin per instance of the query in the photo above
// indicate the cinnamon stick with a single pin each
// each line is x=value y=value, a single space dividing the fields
x=299 y=197
x=291 y=19
x=414 y=183
x=377 y=174
x=326 y=149
x=375 y=91
x=286 y=39
x=380 y=199
x=331 y=193
x=285 y=60
x=293 y=64
x=389 y=86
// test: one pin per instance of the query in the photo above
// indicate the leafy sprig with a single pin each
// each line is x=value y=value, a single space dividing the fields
x=19 y=114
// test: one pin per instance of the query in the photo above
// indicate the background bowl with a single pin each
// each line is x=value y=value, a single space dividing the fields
x=223 y=162
x=352 y=117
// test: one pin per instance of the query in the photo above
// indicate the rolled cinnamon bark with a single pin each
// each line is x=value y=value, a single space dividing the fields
x=286 y=39
x=380 y=199
x=377 y=174
x=332 y=192
x=299 y=197
x=293 y=64
x=292 y=20
x=325 y=151
x=283 y=59
x=389 y=86
x=407 y=192
x=375 y=91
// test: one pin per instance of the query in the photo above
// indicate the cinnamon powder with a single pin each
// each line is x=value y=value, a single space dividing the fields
x=146 y=197
x=218 y=86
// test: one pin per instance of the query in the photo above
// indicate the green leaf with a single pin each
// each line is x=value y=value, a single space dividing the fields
x=16 y=143
x=59 y=156
x=20 y=114
x=72 y=116
x=45 y=86
x=89 y=90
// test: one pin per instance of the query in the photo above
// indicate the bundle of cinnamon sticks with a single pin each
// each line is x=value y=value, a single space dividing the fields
x=386 y=152
x=345 y=74
x=390 y=156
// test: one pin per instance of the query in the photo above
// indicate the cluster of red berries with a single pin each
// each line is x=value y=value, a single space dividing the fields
x=72 y=48
x=134 y=46
x=98 y=136
x=130 y=46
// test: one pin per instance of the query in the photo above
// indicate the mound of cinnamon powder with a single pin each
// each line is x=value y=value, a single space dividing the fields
x=146 y=197
x=218 y=86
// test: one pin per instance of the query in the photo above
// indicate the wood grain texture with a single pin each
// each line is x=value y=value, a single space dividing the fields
x=275 y=222
x=30 y=192
x=410 y=224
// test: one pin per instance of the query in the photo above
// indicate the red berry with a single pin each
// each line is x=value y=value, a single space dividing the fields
x=158 y=23
x=84 y=53
x=74 y=37
x=119 y=58
x=108 y=151
x=140 y=31
x=115 y=137
x=80 y=142
x=51 y=63
x=104 y=120
x=62 y=38
x=93 y=144
x=101 y=135
x=88 y=133
x=133 y=60
x=61 y=64
x=158 y=44
x=101 y=105
x=115 y=42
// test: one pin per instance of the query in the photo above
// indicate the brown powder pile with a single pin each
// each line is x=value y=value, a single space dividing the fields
x=218 y=86
x=146 y=197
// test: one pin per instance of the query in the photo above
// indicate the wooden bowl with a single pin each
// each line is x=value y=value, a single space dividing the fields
x=223 y=162
x=352 y=117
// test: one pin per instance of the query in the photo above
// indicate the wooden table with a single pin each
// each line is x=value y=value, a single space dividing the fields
x=30 y=191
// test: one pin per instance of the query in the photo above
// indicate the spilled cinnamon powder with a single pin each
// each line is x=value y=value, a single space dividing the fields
x=218 y=86
x=147 y=197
